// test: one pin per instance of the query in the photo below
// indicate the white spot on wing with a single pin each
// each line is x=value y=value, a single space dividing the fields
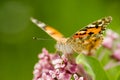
x=38 y=23
x=91 y=25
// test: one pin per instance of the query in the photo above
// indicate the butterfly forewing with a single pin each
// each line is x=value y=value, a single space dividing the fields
x=51 y=31
x=90 y=37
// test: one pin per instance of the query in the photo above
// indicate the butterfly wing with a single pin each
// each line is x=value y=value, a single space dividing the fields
x=90 y=37
x=51 y=31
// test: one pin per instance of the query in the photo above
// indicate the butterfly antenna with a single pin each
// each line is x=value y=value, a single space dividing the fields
x=36 y=38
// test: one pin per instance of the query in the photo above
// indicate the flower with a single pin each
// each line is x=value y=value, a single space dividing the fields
x=112 y=34
x=116 y=52
x=108 y=42
x=56 y=67
x=112 y=43
x=77 y=78
x=109 y=39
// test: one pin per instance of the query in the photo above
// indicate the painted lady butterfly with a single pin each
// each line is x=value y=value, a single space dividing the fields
x=86 y=40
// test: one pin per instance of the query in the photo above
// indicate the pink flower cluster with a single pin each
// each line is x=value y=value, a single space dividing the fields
x=109 y=39
x=116 y=52
x=112 y=43
x=56 y=67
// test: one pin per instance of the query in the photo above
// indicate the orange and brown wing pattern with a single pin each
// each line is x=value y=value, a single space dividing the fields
x=94 y=28
x=51 y=31
x=90 y=37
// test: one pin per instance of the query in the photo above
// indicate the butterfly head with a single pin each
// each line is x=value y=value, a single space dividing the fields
x=63 y=46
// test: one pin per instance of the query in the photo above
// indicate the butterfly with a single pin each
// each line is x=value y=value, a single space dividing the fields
x=85 y=41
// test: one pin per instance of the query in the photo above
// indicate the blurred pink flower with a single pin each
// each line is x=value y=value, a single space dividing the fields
x=112 y=34
x=108 y=42
x=118 y=45
x=77 y=78
x=111 y=42
x=116 y=54
x=56 y=67
x=109 y=39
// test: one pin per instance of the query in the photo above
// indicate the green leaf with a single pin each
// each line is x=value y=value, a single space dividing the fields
x=93 y=67
x=114 y=73
x=98 y=70
x=82 y=60
x=118 y=76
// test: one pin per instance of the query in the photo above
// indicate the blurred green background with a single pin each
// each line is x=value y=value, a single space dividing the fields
x=18 y=51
